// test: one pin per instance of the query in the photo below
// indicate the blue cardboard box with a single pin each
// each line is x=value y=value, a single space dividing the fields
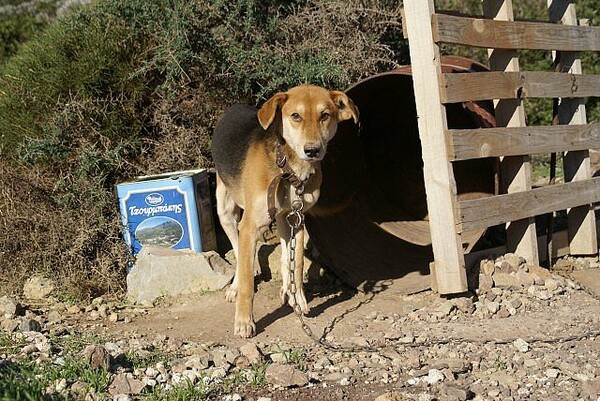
x=171 y=210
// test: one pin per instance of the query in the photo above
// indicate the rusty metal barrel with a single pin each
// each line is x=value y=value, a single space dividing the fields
x=371 y=221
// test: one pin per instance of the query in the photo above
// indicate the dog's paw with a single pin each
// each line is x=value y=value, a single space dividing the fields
x=301 y=299
x=244 y=328
x=284 y=294
x=291 y=300
x=231 y=293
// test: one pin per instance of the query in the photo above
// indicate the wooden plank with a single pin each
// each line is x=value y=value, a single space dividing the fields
x=440 y=185
x=513 y=141
x=515 y=170
x=582 y=227
x=487 y=212
x=479 y=32
x=516 y=85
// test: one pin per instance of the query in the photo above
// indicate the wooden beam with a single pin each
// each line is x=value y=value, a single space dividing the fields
x=515 y=170
x=480 y=32
x=516 y=85
x=440 y=185
x=582 y=227
x=494 y=210
x=495 y=142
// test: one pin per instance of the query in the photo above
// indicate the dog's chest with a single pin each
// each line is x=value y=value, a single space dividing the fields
x=288 y=195
x=309 y=196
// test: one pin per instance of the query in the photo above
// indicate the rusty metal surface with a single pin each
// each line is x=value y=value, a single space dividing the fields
x=371 y=220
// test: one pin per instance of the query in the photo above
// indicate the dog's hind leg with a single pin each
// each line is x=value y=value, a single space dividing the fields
x=229 y=216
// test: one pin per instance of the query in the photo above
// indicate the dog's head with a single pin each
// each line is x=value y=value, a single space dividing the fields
x=309 y=118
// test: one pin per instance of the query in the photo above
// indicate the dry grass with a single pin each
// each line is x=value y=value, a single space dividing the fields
x=141 y=97
x=350 y=32
x=186 y=123
x=37 y=236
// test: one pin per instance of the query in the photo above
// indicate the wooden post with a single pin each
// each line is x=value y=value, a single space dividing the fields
x=440 y=185
x=582 y=224
x=516 y=170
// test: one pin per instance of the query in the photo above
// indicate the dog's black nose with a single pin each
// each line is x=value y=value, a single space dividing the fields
x=312 y=151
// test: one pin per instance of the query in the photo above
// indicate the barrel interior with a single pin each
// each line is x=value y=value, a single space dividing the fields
x=371 y=222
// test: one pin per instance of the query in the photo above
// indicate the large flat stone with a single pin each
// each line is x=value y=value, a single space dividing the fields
x=159 y=272
x=9 y=306
x=285 y=375
x=38 y=287
x=589 y=278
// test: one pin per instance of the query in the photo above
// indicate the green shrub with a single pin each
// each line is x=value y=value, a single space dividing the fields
x=20 y=21
x=16 y=30
x=118 y=89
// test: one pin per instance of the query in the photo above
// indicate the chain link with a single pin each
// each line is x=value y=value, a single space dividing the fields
x=295 y=220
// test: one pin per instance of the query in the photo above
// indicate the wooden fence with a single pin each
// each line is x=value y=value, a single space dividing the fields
x=511 y=140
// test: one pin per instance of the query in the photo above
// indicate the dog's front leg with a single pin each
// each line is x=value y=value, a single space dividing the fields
x=286 y=293
x=283 y=230
x=299 y=270
x=244 y=319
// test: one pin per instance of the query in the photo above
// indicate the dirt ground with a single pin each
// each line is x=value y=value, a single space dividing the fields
x=208 y=318
x=347 y=315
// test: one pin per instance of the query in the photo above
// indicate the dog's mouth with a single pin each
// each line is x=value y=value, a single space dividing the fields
x=313 y=159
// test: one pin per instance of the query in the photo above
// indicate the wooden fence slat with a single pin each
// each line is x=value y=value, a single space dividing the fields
x=516 y=85
x=515 y=170
x=512 y=141
x=440 y=185
x=487 y=212
x=479 y=32
x=582 y=225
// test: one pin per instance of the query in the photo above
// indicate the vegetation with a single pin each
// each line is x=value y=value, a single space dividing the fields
x=116 y=89
x=29 y=379
x=66 y=375
x=20 y=22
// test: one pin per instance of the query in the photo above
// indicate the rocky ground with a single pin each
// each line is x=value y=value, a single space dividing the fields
x=525 y=333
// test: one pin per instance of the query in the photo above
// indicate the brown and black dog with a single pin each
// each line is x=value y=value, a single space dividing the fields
x=301 y=121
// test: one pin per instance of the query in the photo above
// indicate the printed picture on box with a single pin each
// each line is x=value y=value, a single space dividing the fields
x=159 y=231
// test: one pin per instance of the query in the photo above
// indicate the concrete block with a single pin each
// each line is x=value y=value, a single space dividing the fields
x=159 y=272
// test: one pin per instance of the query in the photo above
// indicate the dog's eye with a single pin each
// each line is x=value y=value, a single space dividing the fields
x=296 y=117
x=325 y=116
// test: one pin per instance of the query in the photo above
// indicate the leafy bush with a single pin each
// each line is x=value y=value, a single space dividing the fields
x=20 y=21
x=14 y=31
x=123 y=88
x=118 y=89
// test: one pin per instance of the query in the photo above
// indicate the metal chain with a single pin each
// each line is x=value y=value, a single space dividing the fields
x=295 y=220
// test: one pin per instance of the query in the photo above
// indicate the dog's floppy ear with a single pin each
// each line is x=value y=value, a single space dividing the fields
x=346 y=107
x=267 y=112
